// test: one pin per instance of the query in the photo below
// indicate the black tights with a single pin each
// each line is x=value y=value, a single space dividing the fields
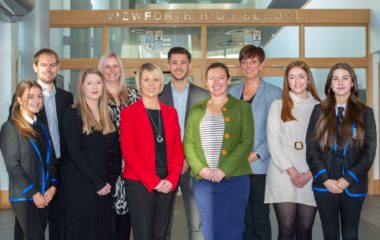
x=295 y=221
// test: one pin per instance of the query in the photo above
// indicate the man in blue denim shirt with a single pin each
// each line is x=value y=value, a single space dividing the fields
x=260 y=95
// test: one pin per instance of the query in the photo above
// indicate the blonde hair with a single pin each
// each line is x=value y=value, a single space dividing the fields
x=122 y=89
x=149 y=67
x=89 y=122
x=21 y=124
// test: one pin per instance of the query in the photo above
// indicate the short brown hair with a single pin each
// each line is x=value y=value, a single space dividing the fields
x=251 y=51
x=179 y=50
x=46 y=51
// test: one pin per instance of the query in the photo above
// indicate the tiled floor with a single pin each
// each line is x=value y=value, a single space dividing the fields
x=369 y=224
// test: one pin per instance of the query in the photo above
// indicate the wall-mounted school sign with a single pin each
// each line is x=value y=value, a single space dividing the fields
x=198 y=16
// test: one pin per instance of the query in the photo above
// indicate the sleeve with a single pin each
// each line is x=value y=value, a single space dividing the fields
x=70 y=99
x=54 y=181
x=262 y=148
x=314 y=156
x=367 y=153
x=279 y=157
x=10 y=148
x=177 y=153
x=129 y=149
x=189 y=141
x=72 y=130
x=240 y=153
x=54 y=172
x=115 y=158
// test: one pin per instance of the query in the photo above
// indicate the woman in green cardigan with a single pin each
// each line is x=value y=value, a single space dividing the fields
x=218 y=140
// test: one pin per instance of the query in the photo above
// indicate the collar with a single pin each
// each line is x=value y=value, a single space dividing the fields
x=341 y=105
x=297 y=99
x=228 y=105
x=173 y=87
x=30 y=120
x=45 y=90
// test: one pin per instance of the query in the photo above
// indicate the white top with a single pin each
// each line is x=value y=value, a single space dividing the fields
x=211 y=133
x=281 y=142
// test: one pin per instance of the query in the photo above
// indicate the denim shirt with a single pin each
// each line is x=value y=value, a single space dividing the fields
x=264 y=96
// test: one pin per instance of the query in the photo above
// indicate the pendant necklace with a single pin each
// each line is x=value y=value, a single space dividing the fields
x=159 y=138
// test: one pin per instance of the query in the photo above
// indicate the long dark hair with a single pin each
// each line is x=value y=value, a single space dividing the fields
x=326 y=127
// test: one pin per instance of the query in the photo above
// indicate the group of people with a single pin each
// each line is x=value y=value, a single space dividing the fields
x=114 y=160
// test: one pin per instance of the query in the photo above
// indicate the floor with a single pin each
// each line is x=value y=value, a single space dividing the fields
x=369 y=224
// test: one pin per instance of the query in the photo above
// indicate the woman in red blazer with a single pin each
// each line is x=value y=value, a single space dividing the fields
x=152 y=151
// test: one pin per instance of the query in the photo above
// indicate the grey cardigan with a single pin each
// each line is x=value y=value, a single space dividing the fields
x=264 y=96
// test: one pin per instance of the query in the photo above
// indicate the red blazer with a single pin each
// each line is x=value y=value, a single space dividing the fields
x=138 y=146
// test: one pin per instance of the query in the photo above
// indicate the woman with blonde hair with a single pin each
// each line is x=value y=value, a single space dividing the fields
x=92 y=165
x=119 y=96
x=288 y=182
x=152 y=151
x=29 y=158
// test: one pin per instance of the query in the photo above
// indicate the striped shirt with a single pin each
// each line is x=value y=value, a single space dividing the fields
x=211 y=132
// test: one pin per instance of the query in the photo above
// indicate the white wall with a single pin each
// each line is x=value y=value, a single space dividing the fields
x=7 y=59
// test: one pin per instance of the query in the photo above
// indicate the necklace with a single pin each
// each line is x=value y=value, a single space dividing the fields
x=159 y=138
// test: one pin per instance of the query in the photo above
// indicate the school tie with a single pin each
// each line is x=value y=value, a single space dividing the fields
x=340 y=113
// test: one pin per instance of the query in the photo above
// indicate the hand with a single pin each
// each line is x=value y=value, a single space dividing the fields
x=39 y=200
x=217 y=175
x=185 y=167
x=105 y=190
x=205 y=173
x=164 y=186
x=294 y=176
x=252 y=157
x=303 y=179
x=332 y=186
x=49 y=194
x=342 y=183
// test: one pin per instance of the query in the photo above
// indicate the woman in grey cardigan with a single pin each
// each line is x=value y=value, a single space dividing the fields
x=260 y=95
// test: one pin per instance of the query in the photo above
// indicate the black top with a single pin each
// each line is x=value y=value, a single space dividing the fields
x=155 y=118
x=331 y=164
x=40 y=142
x=93 y=160
x=249 y=100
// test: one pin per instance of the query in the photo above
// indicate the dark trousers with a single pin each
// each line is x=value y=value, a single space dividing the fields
x=191 y=210
x=335 y=207
x=122 y=226
x=149 y=211
x=257 y=222
x=30 y=221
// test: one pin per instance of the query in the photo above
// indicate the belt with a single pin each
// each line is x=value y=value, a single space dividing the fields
x=298 y=145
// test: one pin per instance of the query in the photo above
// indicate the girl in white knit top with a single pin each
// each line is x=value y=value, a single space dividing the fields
x=288 y=182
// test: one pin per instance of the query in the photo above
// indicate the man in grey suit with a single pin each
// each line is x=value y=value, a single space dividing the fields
x=182 y=94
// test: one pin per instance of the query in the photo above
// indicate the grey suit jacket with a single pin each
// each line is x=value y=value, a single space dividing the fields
x=195 y=95
x=27 y=175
